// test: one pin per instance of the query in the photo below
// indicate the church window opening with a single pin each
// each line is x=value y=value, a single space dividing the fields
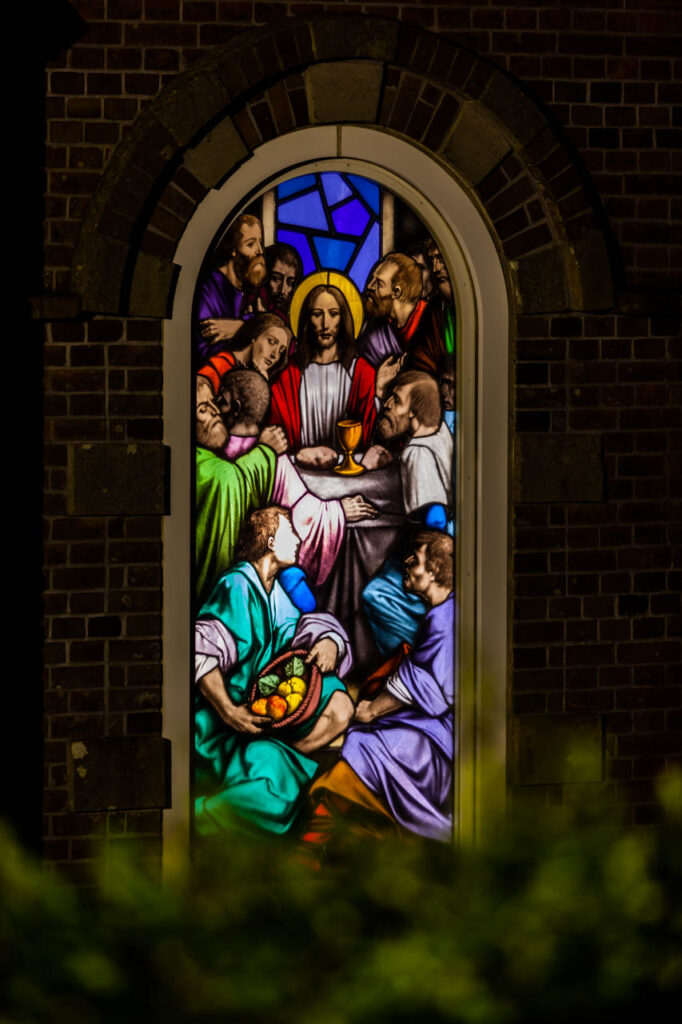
x=324 y=335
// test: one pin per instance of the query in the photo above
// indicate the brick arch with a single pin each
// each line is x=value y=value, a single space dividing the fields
x=460 y=108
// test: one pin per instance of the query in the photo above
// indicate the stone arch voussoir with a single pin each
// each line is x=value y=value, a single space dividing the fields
x=470 y=116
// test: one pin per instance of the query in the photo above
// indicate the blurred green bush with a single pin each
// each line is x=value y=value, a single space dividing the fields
x=572 y=921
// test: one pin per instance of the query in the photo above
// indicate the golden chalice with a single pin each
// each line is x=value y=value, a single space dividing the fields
x=349 y=433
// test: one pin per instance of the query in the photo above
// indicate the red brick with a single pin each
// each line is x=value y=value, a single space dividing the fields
x=161 y=60
x=141 y=84
x=125 y=10
x=160 y=34
x=88 y=107
x=105 y=84
x=127 y=59
x=68 y=83
x=120 y=109
x=199 y=10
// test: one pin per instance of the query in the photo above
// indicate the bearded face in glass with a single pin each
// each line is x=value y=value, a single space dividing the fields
x=325 y=322
x=378 y=295
x=211 y=432
x=439 y=270
x=248 y=256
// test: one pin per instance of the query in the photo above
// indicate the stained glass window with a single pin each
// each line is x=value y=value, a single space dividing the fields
x=336 y=219
x=325 y=519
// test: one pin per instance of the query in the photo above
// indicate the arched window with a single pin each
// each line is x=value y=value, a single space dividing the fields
x=343 y=207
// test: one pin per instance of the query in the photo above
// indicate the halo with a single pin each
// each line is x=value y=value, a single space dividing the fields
x=340 y=281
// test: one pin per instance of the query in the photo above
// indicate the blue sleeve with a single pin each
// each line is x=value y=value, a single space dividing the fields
x=295 y=584
x=434 y=516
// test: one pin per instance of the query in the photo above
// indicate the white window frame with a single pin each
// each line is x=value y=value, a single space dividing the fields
x=481 y=295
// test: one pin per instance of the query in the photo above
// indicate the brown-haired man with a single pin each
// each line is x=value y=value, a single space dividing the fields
x=400 y=321
x=246 y=774
x=239 y=271
x=225 y=491
x=413 y=413
x=284 y=269
x=443 y=300
x=396 y=762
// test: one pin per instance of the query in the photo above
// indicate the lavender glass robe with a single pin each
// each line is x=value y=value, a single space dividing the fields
x=377 y=341
x=405 y=757
x=218 y=299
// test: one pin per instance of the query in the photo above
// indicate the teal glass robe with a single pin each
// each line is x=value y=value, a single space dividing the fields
x=242 y=779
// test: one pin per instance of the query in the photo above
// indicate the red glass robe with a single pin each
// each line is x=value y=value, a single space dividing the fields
x=285 y=405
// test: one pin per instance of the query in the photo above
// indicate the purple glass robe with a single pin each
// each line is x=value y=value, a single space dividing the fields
x=218 y=299
x=377 y=341
x=406 y=756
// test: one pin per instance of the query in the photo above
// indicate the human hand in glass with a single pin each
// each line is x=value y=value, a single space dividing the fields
x=368 y=710
x=220 y=330
x=324 y=654
x=256 y=306
x=376 y=457
x=387 y=371
x=274 y=437
x=318 y=457
x=357 y=508
x=237 y=716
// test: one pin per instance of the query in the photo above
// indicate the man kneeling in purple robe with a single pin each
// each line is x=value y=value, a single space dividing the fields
x=396 y=763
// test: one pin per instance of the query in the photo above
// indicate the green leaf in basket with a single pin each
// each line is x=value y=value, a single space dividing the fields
x=294 y=667
x=268 y=684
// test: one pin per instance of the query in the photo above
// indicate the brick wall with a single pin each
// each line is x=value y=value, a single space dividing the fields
x=103 y=574
x=596 y=613
x=609 y=72
x=597 y=608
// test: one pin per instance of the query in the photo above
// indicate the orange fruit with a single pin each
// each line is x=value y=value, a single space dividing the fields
x=259 y=707
x=276 y=707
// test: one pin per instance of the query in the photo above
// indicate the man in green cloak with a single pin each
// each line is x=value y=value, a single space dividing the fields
x=225 y=491
x=248 y=776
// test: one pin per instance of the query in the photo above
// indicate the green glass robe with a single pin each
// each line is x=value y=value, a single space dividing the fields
x=225 y=494
x=450 y=328
x=244 y=779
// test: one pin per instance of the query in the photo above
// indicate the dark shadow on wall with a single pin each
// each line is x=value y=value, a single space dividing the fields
x=54 y=27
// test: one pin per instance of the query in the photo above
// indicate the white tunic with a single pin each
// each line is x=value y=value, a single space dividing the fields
x=426 y=470
x=324 y=399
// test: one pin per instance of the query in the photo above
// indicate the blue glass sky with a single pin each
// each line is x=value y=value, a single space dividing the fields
x=333 y=220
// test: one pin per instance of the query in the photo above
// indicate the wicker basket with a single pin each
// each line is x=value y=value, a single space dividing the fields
x=308 y=706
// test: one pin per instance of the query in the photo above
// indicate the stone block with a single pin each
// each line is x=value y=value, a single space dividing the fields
x=372 y=38
x=217 y=154
x=154 y=146
x=554 y=749
x=348 y=91
x=135 y=164
x=184 y=109
x=151 y=291
x=97 y=272
x=476 y=144
x=128 y=195
x=512 y=108
x=590 y=270
x=119 y=773
x=231 y=73
x=117 y=479
x=540 y=281
x=558 y=467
